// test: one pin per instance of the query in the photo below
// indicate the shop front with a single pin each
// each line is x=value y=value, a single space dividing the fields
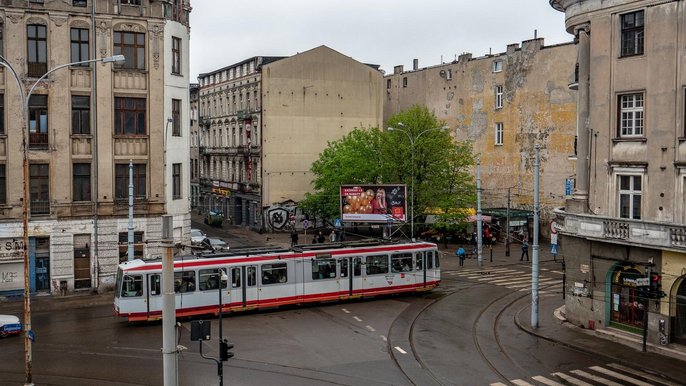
x=627 y=307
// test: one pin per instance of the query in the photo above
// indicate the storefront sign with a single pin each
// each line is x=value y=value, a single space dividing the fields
x=584 y=268
x=11 y=249
x=221 y=192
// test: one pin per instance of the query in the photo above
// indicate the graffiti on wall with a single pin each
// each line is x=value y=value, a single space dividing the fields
x=277 y=217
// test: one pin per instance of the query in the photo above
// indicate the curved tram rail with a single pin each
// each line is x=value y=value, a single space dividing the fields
x=264 y=278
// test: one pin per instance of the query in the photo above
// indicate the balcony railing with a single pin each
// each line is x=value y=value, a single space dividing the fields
x=40 y=207
x=38 y=140
x=641 y=233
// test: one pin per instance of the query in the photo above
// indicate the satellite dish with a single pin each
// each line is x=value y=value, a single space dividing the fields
x=442 y=73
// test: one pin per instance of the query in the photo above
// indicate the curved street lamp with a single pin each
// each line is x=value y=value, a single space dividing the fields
x=413 y=139
x=25 y=97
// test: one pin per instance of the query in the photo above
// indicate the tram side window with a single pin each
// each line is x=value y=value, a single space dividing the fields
x=377 y=264
x=438 y=260
x=155 y=285
x=401 y=262
x=274 y=273
x=208 y=279
x=323 y=269
x=252 y=276
x=235 y=278
x=132 y=286
x=419 y=262
x=429 y=260
x=184 y=281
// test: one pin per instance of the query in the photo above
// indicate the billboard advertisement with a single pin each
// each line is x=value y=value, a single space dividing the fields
x=374 y=203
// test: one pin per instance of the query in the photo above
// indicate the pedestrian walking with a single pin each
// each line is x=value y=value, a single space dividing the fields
x=460 y=255
x=320 y=237
x=474 y=241
x=294 y=238
x=332 y=237
x=525 y=250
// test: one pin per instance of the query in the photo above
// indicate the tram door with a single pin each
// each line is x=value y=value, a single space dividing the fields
x=244 y=286
x=350 y=275
x=154 y=293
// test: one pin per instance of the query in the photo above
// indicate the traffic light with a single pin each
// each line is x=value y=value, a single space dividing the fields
x=656 y=286
x=224 y=353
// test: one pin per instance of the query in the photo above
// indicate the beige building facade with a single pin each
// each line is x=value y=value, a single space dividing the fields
x=267 y=119
x=622 y=231
x=504 y=104
x=86 y=124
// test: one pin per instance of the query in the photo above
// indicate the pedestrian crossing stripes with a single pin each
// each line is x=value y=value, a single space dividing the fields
x=515 y=279
x=611 y=375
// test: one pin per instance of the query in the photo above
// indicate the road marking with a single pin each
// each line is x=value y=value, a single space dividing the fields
x=400 y=350
x=520 y=382
x=619 y=376
x=572 y=380
x=498 y=384
x=356 y=318
x=557 y=272
x=346 y=311
x=546 y=381
x=384 y=338
x=370 y=328
x=641 y=374
x=595 y=378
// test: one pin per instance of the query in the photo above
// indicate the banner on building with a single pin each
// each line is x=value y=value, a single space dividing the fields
x=373 y=203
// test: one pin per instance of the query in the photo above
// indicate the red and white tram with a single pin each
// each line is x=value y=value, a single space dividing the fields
x=253 y=279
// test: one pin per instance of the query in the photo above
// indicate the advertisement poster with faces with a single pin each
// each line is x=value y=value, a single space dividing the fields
x=373 y=203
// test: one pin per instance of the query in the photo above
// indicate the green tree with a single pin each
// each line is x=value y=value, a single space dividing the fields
x=441 y=168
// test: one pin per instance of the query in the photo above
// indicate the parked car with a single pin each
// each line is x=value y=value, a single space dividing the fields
x=197 y=236
x=214 y=218
x=218 y=245
x=9 y=325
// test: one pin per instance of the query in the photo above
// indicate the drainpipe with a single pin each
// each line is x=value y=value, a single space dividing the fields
x=94 y=107
x=581 y=189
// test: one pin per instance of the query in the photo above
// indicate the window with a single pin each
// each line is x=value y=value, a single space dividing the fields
x=130 y=2
x=499 y=97
x=132 y=285
x=323 y=269
x=38 y=122
x=184 y=281
x=80 y=114
x=377 y=264
x=1 y=39
x=388 y=84
x=252 y=276
x=155 y=285
x=631 y=115
x=79 y=45
x=79 y=3
x=401 y=262
x=235 y=278
x=2 y=113
x=274 y=273
x=82 y=182
x=176 y=56
x=176 y=117
x=121 y=184
x=632 y=34
x=3 y=185
x=176 y=181
x=124 y=246
x=37 y=49
x=405 y=81
x=39 y=179
x=497 y=65
x=499 y=133
x=630 y=197
x=419 y=260
x=131 y=45
x=208 y=279
x=129 y=116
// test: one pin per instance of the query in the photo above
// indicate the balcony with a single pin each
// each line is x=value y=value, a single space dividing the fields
x=647 y=234
x=40 y=207
x=38 y=141
x=244 y=115
x=203 y=121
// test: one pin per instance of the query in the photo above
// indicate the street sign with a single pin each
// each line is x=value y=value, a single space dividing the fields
x=306 y=224
x=338 y=223
x=553 y=239
x=553 y=228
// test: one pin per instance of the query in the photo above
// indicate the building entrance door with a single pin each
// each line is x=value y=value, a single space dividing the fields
x=679 y=325
x=42 y=273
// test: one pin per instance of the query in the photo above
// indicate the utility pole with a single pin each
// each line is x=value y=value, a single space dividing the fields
x=168 y=305
x=129 y=250
x=534 y=258
x=507 y=226
x=479 y=225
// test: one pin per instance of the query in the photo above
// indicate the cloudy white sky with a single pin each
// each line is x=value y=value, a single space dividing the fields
x=383 y=32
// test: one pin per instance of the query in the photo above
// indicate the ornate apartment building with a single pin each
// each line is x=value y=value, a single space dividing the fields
x=504 y=104
x=623 y=233
x=86 y=124
x=264 y=121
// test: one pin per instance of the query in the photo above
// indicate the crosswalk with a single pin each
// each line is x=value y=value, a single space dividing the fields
x=612 y=374
x=514 y=278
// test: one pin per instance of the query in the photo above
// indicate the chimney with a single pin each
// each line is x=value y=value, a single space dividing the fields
x=415 y=64
x=467 y=56
x=511 y=48
x=398 y=69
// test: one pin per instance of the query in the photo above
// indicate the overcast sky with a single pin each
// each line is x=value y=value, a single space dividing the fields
x=383 y=32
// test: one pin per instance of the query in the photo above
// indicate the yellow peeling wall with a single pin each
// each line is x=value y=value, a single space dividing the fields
x=538 y=108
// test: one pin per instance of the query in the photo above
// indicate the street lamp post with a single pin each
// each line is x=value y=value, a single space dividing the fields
x=25 y=97
x=413 y=139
